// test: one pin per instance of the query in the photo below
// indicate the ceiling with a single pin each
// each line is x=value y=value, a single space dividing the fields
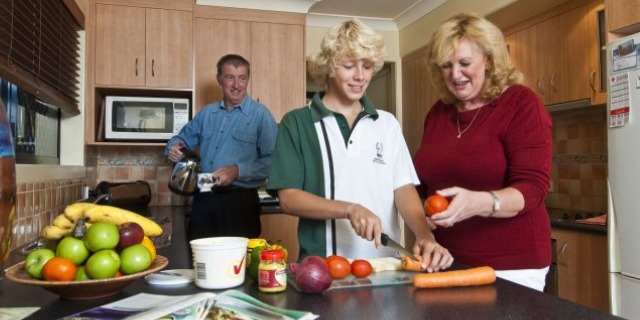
x=381 y=9
x=391 y=15
x=397 y=14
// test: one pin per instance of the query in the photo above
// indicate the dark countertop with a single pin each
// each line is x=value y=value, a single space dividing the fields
x=560 y=219
x=503 y=300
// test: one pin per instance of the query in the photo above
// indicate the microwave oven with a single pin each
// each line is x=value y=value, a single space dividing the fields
x=144 y=118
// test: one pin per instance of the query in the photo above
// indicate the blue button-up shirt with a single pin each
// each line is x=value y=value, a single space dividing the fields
x=244 y=136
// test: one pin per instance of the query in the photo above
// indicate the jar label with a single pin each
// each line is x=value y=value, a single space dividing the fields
x=276 y=278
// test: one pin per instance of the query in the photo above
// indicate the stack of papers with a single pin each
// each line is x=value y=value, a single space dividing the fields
x=231 y=304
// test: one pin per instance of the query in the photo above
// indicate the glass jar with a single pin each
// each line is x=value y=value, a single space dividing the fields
x=272 y=273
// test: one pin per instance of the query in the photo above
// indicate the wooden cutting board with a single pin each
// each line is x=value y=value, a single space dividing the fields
x=377 y=279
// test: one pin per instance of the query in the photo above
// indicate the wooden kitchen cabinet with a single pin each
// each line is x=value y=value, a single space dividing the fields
x=283 y=229
x=558 y=53
x=143 y=47
x=136 y=48
x=272 y=42
x=582 y=262
x=623 y=16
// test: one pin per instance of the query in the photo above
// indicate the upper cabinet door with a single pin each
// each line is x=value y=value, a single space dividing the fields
x=169 y=42
x=120 y=48
x=141 y=47
x=213 y=39
x=278 y=66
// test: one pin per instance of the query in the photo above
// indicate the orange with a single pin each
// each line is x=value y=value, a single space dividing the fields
x=435 y=204
x=149 y=244
x=59 y=269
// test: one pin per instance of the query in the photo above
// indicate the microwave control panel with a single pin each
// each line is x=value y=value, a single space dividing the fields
x=180 y=117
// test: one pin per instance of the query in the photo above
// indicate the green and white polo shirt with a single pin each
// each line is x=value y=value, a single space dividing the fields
x=369 y=163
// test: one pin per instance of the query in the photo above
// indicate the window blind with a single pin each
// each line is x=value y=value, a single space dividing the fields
x=39 y=50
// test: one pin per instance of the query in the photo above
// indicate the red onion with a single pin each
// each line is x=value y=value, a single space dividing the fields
x=312 y=274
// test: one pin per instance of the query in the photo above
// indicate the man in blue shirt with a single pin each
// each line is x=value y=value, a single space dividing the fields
x=236 y=137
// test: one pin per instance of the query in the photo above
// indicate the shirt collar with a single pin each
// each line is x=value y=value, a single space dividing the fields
x=243 y=105
x=319 y=110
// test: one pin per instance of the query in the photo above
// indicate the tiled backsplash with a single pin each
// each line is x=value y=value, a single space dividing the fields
x=579 y=168
x=38 y=203
x=125 y=164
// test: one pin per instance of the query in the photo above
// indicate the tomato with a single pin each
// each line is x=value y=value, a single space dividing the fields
x=59 y=269
x=435 y=204
x=339 y=267
x=361 y=268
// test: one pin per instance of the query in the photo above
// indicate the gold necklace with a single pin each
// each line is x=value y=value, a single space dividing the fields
x=470 y=123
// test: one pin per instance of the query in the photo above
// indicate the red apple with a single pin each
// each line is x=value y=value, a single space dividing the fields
x=130 y=233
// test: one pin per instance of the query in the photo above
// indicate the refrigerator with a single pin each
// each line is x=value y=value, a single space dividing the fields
x=623 y=115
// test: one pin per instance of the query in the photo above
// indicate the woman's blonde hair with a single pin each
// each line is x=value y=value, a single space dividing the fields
x=352 y=39
x=500 y=70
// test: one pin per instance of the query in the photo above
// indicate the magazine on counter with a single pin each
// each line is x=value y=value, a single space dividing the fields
x=230 y=304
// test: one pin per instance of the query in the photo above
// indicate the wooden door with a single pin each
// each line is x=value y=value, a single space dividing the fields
x=573 y=56
x=282 y=229
x=278 y=66
x=169 y=49
x=523 y=53
x=119 y=46
x=545 y=37
x=582 y=268
x=623 y=16
x=213 y=39
x=418 y=96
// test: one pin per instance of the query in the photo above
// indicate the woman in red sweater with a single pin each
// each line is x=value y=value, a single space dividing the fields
x=487 y=148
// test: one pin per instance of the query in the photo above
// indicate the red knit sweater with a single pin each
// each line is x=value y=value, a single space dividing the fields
x=509 y=144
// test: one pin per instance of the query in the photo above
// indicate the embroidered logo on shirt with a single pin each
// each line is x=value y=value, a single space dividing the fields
x=379 y=150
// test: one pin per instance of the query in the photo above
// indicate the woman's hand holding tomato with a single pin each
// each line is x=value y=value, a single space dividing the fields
x=435 y=204
x=464 y=204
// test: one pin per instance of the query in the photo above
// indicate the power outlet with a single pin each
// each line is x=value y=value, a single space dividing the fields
x=551 y=186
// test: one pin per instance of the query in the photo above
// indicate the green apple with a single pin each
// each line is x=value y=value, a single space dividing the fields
x=81 y=274
x=35 y=261
x=135 y=258
x=73 y=249
x=103 y=264
x=101 y=235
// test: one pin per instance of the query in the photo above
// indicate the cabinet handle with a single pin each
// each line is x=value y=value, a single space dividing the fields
x=540 y=85
x=136 y=67
x=552 y=82
x=153 y=67
x=592 y=80
x=563 y=258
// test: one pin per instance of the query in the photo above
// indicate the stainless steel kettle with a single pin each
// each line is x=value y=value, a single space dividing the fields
x=184 y=178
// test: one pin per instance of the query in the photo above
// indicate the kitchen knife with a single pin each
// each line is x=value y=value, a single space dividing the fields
x=388 y=242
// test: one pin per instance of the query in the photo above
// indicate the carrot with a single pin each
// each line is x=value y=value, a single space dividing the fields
x=409 y=264
x=458 y=278
x=475 y=295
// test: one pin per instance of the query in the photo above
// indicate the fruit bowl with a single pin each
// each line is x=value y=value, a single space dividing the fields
x=83 y=290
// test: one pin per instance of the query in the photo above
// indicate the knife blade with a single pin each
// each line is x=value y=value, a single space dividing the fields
x=388 y=242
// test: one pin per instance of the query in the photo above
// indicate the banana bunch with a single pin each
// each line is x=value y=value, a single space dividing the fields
x=64 y=223
x=119 y=216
